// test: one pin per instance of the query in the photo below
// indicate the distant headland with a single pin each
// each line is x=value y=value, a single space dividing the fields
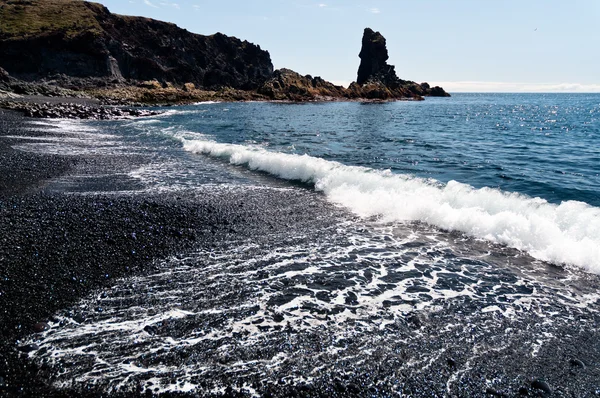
x=78 y=48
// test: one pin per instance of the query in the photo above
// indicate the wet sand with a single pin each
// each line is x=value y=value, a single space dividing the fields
x=56 y=248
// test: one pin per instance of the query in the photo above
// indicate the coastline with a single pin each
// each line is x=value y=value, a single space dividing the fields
x=56 y=248
x=50 y=237
x=95 y=109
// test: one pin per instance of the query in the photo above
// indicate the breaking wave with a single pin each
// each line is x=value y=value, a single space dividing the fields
x=566 y=233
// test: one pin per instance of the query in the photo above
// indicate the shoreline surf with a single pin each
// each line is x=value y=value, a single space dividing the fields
x=247 y=284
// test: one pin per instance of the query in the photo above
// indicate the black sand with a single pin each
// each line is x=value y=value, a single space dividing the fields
x=55 y=248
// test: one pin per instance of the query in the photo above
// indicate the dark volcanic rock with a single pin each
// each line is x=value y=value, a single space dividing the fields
x=436 y=91
x=83 y=44
x=73 y=111
x=289 y=85
x=542 y=386
x=378 y=80
x=373 y=61
x=40 y=327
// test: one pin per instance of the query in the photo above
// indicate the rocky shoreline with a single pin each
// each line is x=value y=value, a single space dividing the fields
x=67 y=110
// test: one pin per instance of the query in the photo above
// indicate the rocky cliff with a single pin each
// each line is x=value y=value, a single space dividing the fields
x=51 y=47
x=82 y=44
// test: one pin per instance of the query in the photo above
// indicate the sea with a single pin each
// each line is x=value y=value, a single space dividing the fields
x=443 y=247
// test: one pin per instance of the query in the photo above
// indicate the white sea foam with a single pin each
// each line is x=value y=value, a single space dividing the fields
x=64 y=126
x=206 y=102
x=568 y=233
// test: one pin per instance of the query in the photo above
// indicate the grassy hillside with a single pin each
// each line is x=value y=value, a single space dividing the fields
x=26 y=18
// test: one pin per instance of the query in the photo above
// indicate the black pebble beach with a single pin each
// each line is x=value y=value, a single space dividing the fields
x=55 y=248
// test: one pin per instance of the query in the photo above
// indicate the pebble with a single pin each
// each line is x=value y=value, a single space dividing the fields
x=353 y=388
x=541 y=385
x=28 y=347
x=150 y=329
x=577 y=363
x=73 y=111
x=40 y=327
x=79 y=318
x=491 y=391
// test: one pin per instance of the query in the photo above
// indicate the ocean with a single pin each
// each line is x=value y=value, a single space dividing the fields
x=433 y=247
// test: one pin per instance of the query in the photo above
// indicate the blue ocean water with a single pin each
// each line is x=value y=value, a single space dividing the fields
x=540 y=145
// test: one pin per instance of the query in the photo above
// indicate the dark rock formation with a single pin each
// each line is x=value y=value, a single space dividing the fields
x=77 y=48
x=289 y=85
x=437 y=91
x=377 y=90
x=9 y=84
x=377 y=79
x=80 y=44
x=4 y=76
x=373 y=61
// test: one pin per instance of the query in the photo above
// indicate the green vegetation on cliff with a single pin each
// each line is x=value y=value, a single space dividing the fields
x=83 y=45
x=27 y=18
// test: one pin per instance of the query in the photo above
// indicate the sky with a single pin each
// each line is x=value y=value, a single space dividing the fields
x=462 y=45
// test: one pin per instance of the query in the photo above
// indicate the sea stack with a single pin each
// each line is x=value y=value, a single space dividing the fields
x=377 y=79
x=373 y=61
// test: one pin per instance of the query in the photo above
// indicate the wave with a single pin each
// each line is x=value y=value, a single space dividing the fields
x=206 y=102
x=567 y=233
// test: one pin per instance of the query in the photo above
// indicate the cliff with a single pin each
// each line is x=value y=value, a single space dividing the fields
x=82 y=44
x=52 y=47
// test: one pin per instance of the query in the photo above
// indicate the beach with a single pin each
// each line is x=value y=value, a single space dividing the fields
x=133 y=265
x=58 y=247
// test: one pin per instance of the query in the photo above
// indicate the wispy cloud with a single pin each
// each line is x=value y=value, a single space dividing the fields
x=510 y=87
x=374 y=10
x=148 y=3
x=322 y=5
x=167 y=4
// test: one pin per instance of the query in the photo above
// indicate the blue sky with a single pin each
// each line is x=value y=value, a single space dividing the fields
x=463 y=45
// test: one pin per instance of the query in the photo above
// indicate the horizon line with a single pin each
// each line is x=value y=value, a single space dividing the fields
x=506 y=87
